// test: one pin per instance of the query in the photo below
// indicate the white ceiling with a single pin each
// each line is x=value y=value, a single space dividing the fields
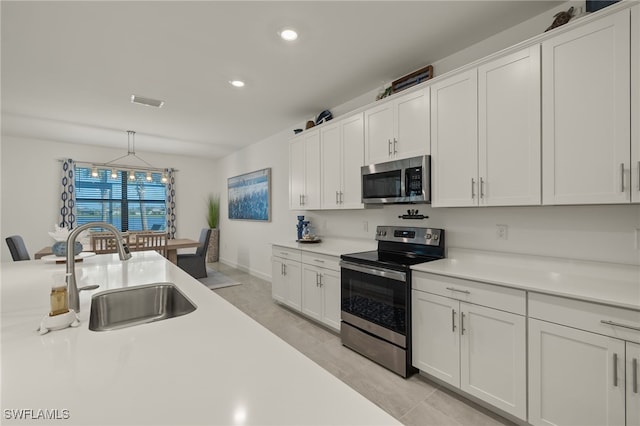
x=69 y=68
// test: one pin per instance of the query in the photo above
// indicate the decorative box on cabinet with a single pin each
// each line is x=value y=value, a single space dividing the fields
x=304 y=171
x=472 y=336
x=583 y=363
x=342 y=155
x=397 y=128
x=586 y=117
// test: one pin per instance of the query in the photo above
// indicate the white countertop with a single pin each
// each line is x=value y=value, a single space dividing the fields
x=600 y=282
x=331 y=246
x=213 y=366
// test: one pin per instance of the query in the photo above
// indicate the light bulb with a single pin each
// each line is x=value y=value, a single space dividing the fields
x=149 y=178
x=94 y=172
x=132 y=175
x=114 y=174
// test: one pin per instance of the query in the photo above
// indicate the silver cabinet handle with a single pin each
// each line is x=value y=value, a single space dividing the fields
x=320 y=279
x=284 y=253
x=481 y=187
x=453 y=320
x=459 y=291
x=395 y=142
x=635 y=375
x=337 y=201
x=462 y=330
x=317 y=279
x=318 y=260
x=615 y=369
x=621 y=177
x=617 y=324
x=473 y=192
x=341 y=197
x=389 y=147
x=284 y=269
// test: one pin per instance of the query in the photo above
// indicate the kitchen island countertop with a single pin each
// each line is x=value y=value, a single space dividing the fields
x=213 y=366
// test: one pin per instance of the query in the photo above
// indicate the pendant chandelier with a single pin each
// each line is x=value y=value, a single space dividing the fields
x=130 y=169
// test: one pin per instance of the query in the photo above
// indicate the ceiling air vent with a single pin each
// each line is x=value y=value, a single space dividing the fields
x=135 y=99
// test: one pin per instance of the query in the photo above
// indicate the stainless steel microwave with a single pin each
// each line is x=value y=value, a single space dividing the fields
x=399 y=181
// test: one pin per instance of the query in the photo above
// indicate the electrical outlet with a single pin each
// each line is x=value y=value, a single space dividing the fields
x=502 y=232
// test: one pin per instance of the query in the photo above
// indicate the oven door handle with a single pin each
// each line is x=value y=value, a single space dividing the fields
x=373 y=270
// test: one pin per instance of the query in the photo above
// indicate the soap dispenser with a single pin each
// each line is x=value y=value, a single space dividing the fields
x=60 y=316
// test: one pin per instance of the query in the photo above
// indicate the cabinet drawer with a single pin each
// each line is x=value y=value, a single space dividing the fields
x=503 y=298
x=586 y=316
x=321 y=260
x=286 y=253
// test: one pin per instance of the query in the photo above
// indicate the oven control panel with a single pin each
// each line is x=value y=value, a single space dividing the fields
x=427 y=236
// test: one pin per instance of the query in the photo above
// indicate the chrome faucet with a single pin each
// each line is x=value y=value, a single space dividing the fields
x=72 y=287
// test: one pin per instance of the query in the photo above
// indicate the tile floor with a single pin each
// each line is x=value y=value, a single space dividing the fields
x=414 y=401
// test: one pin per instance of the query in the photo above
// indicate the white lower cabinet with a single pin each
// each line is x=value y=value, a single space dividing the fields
x=307 y=282
x=479 y=349
x=286 y=285
x=581 y=369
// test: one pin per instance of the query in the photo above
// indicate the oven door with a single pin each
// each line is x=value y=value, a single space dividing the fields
x=375 y=300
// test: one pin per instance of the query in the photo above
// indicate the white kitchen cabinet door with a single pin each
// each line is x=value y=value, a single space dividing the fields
x=293 y=284
x=311 y=292
x=331 y=152
x=330 y=286
x=586 y=115
x=296 y=173
x=436 y=341
x=311 y=198
x=454 y=141
x=572 y=379
x=493 y=357
x=633 y=384
x=352 y=157
x=634 y=184
x=509 y=144
x=412 y=125
x=379 y=132
x=278 y=284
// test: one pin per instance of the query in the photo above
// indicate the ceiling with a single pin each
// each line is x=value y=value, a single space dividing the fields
x=69 y=68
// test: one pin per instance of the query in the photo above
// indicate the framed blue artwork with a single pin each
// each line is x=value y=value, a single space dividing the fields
x=250 y=196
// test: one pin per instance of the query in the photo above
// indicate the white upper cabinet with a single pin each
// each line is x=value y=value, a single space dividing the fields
x=342 y=155
x=304 y=171
x=634 y=184
x=586 y=113
x=397 y=128
x=454 y=140
x=509 y=171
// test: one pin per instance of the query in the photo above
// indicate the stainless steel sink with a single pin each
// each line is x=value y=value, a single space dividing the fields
x=120 y=308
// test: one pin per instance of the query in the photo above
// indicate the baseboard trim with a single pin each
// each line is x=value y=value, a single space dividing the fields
x=243 y=268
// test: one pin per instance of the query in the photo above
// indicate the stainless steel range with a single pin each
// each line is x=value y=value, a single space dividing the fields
x=376 y=294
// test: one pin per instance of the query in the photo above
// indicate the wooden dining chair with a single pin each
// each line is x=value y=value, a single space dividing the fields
x=151 y=241
x=105 y=242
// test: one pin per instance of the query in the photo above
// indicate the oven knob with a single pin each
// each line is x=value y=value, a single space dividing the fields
x=428 y=237
x=435 y=237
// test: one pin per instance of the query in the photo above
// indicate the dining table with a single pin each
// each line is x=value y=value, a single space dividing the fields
x=173 y=245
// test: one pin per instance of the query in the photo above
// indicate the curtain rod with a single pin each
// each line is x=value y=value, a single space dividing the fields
x=119 y=166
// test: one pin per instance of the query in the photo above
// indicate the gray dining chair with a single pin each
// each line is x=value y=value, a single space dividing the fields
x=195 y=264
x=17 y=248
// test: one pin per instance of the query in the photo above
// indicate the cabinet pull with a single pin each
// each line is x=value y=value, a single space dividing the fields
x=284 y=269
x=615 y=369
x=453 y=320
x=459 y=291
x=284 y=253
x=638 y=175
x=389 y=147
x=473 y=192
x=341 y=197
x=635 y=375
x=395 y=142
x=621 y=177
x=481 y=187
x=320 y=279
x=318 y=260
x=317 y=281
x=617 y=324
x=337 y=202
x=462 y=323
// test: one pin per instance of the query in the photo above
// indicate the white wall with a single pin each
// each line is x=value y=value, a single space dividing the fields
x=30 y=187
x=605 y=233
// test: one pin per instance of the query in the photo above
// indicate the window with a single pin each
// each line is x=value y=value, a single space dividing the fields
x=129 y=205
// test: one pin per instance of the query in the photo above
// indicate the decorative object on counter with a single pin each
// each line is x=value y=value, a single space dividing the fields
x=413 y=214
x=59 y=248
x=595 y=5
x=213 y=220
x=384 y=93
x=310 y=240
x=296 y=131
x=310 y=124
x=324 y=116
x=307 y=235
x=300 y=227
x=250 y=196
x=560 y=19
x=52 y=258
x=60 y=315
x=412 y=79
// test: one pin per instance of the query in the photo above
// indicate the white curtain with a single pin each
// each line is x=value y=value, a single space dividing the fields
x=68 y=194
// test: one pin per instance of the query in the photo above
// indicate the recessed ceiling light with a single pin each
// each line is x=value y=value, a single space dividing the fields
x=288 y=34
x=237 y=83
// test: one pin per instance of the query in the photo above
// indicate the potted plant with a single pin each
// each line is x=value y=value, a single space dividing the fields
x=213 y=218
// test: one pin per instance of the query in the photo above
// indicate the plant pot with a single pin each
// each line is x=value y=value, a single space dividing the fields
x=214 y=244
